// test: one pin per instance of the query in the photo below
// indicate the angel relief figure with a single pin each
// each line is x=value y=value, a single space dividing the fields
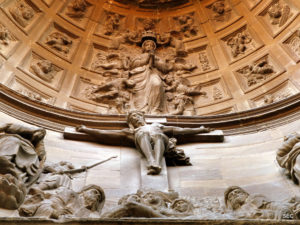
x=180 y=95
x=279 y=14
x=116 y=93
x=257 y=72
x=221 y=11
x=77 y=9
x=111 y=63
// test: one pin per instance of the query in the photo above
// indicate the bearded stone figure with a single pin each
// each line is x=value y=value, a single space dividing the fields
x=22 y=155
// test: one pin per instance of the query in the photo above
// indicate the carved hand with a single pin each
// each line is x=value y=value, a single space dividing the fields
x=80 y=128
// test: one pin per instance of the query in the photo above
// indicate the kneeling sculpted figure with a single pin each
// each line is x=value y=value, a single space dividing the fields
x=151 y=139
x=22 y=155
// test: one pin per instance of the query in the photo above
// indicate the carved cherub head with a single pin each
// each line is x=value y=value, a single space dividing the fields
x=148 y=24
x=275 y=11
x=218 y=7
x=235 y=197
x=26 y=11
x=45 y=65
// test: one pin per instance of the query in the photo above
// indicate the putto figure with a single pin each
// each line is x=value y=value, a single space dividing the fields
x=152 y=140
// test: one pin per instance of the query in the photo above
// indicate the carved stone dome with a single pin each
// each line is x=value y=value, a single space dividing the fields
x=229 y=56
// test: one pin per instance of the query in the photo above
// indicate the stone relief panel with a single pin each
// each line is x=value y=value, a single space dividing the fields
x=221 y=14
x=83 y=91
x=8 y=42
x=204 y=58
x=105 y=62
x=277 y=16
x=251 y=4
x=60 y=42
x=123 y=67
x=292 y=45
x=23 y=13
x=60 y=194
x=77 y=12
x=216 y=91
x=240 y=43
x=111 y=24
x=258 y=72
x=42 y=70
x=146 y=24
x=186 y=26
x=27 y=90
x=282 y=91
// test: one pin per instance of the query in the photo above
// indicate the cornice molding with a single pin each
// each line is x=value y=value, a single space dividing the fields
x=54 y=118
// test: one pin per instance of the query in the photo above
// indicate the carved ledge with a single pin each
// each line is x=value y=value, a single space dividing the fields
x=54 y=118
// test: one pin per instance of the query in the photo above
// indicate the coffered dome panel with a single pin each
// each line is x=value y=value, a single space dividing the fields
x=216 y=56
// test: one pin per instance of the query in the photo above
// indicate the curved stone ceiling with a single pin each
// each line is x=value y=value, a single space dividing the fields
x=241 y=54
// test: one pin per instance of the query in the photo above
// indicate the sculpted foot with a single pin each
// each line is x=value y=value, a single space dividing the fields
x=154 y=170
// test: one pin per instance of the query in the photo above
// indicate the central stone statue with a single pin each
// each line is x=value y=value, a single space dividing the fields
x=149 y=87
x=152 y=140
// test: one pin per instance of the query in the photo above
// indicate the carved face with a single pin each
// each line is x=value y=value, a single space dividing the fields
x=237 y=198
x=91 y=198
x=275 y=11
x=45 y=65
x=148 y=24
x=136 y=120
x=152 y=199
x=27 y=12
x=149 y=45
x=181 y=206
x=169 y=79
x=219 y=7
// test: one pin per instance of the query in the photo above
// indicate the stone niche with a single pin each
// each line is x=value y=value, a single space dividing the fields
x=111 y=24
x=8 y=42
x=277 y=16
x=30 y=91
x=258 y=72
x=42 y=70
x=221 y=14
x=284 y=90
x=24 y=13
x=60 y=41
x=240 y=43
x=77 y=12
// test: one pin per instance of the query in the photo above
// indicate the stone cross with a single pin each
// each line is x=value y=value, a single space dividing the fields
x=152 y=140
